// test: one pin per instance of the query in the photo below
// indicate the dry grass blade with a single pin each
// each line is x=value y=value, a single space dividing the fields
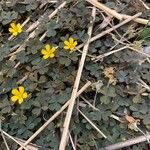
x=117 y=15
x=3 y=137
x=105 y=9
x=111 y=29
x=138 y=51
x=71 y=140
x=127 y=143
x=9 y=136
x=34 y=25
x=76 y=85
x=92 y=124
x=108 y=53
x=54 y=116
x=94 y=108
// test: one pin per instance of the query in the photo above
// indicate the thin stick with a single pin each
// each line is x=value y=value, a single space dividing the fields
x=14 y=139
x=108 y=53
x=55 y=115
x=34 y=25
x=111 y=29
x=73 y=146
x=105 y=9
x=143 y=84
x=3 y=137
x=92 y=124
x=144 y=5
x=117 y=15
x=63 y=141
x=127 y=143
x=90 y=104
x=138 y=20
x=138 y=51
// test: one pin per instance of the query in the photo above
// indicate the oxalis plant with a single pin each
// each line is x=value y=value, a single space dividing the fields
x=41 y=48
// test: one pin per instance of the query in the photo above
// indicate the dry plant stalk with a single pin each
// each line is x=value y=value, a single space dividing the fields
x=34 y=25
x=30 y=146
x=92 y=124
x=55 y=115
x=97 y=58
x=110 y=29
x=12 y=138
x=115 y=14
x=105 y=9
x=63 y=141
x=127 y=143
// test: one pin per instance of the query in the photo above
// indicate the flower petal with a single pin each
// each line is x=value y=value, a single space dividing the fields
x=15 y=92
x=53 y=49
x=47 y=47
x=21 y=89
x=20 y=100
x=66 y=42
x=71 y=40
x=15 y=33
x=43 y=51
x=51 y=55
x=13 y=25
x=66 y=47
x=11 y=30
x=19 y=28
x=45 y=56
x=25 y=95
x=75 y=43
x=14 y=98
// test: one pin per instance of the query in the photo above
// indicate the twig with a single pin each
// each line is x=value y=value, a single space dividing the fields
x=34 y=25
x=30 y=146
x=87 y=54
x=92 y=124
x=105 y=9
x=138 y=20
x=111 y=29
x=23 y=79
x=138 y=51
x=117 y=15
x=76 y=85
x=55 y=115
x=116 y=118
x=127 y=143
x=108 y=53
x=73 y=146
x=3 y=137
x=14 y=140
x=90 y=104
x=142 y=83
x=144 y=5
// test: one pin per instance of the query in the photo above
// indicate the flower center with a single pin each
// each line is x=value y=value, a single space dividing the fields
x=71 y=45
x=20 y=95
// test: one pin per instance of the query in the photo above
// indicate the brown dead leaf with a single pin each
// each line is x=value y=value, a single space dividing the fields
x=130 y=119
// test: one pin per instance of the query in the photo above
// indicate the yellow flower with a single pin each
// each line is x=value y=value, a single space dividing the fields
x=48 y=52
x=18 y=95
x=70 y=44
x=109 y=72
x=15 y=29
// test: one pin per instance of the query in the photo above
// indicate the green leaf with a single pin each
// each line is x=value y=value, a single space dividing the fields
x=105 y=99
x=144 y=34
